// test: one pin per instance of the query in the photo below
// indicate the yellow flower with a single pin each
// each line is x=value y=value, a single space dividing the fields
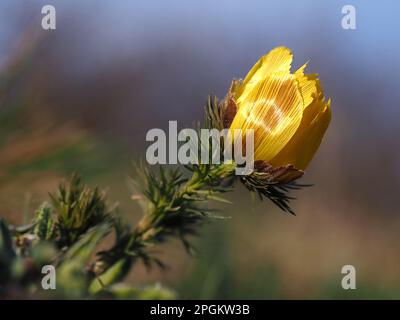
x=288 y=112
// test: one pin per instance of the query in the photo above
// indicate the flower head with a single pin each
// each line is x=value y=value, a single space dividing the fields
x=287 y=111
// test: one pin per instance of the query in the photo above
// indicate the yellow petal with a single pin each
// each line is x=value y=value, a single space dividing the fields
x=273 y=107
x=305 y=142
x=308 y=85
x=277 y=60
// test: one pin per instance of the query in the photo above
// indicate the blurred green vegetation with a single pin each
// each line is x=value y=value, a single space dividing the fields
x=215 y=274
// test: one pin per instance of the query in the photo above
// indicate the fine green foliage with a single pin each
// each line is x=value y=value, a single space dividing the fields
x=66 y=234
x=278 y=193
x=177 y=204
x=79 y=208
x=44 y=228
x=174 y=206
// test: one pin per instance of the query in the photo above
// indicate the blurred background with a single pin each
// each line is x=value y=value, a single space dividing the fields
x=82 y=97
